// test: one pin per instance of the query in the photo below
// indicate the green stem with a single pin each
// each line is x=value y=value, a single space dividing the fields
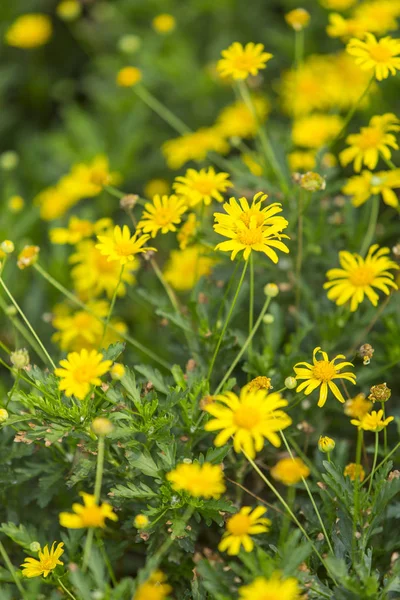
x=299 y=257
x=227 y=291
x=383 y=461
x=375 y=461
x=114 y=297
x=385 y=440
x=291 y=495
x=97 y=492
x=245 y=345
x=351 y=112
x=124 y=336
x=389 y=163
x=10 y=567
x=66 y=590
x=373 y=218
x=298 y=47
x=113 y=191
x=161 y=110
x=221 y=337
x=108 y=564
x=356 y=507
x=33 y=332
x=251 y=302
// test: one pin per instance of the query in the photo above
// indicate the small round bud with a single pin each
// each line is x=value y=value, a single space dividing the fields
x=326 y=444
x=271 y=290
x=102 y=426
x=187 y=461
x=117 y=371
x=3 y=415
x=268 y=319
x=9 y=160
x=380 y=393
x=312 y=182
x=298 y=18
x=290 y=382
x=129 y=201
x=129 y=44
x=28 y=256
x=11 y=311
x=20 y=358
x=366 y=352
x=163 y=23
x=34 y=547
x=7 y=246
x=140 y=521
x=69 y=10
x=15 y=204
x=128 y=76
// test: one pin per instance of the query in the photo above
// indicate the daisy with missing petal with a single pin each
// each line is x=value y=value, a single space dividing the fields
x=90 y=514
x=373 y=421
x=321 y=374
x=200 y=481
x=80 y=371
x=249 y=419
x=162 y=215
x=240 y=527
x=274 y=588
x=202 y=186
x=358 y=276
x=371 y=142
x=121 y=246
x=48 y=561
x=381 y=56
x=241 y=61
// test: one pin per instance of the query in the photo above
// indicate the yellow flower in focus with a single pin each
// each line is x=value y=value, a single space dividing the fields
x=120 y=246
x=357 y=406
x=254 y=167
x=90 y=514
x=371 y=142
x=128 y=76
x=240 y=527
x=290 y=471
x=163 y=23
x=338 y=4
x=162 y=215
x=301 y=161
x=358 y=276
x=202 y=186
x=200 y=481
x=155 y=588
x=69 y=10
x=298 y=18
x=28 y=256
x=48 y=561
x=321 y=374
x=141 y=521
x=194 y=146
x=260 y=383
x=93 y=274
x=315 y=131
x=185 y=267
x=16 y=204
x=274 y=588
x=80 y=371
x=187 y=231
x=29 y=31
x=381 y=56
x=354 y=472
x=156 y=186
x=361 y=187
x=373 y=421
x=238 y=120
x=248 y=418
x=241 y=61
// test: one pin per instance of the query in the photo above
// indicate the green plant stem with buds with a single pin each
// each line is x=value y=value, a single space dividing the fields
x=373 y=219
x=291 y=496
x=251 y=301
x=97 y=492
x=385 y=440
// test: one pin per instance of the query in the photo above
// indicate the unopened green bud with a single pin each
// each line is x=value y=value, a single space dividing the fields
x=3 y=415
x=34 y=547
x=9 y=160
x=20 y=358
x=271 y=290
x=290 y=383
x=326 y=444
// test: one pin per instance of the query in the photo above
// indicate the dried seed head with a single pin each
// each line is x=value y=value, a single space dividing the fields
x=20 y=358
x=380 y=393
x=312 y=182
x=366 y=352
x=129 y=201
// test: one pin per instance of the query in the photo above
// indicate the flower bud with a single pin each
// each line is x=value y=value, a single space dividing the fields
x=9 y=160
x=69 y=10
x=129 y=44
x=102 y=426
x=326 y=444
x=28 y=256
x=34 y=547
x=290 y=383
x=366 y=352
x=128 y=76
x=312 y=182
x=271 y=290
x=129 y=201
x=20 y=358
x=7 y=246
x=15 y=204
x=3 y=415
x=380 y=393
x=117 y=371
x=140 y=521
x=268 y=319
x=298 y=18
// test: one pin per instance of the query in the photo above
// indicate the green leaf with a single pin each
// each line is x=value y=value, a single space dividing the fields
x=21 y=535
x=144 y=462
x=130 y=490
x=154 y=376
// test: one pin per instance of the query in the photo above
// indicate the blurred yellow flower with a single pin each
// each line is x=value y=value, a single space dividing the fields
x=338 y=4
x=381 y=56
x=248 y=419
x=185 y=267
x=48 y=561
x=156 y=186
x=202 y=186
x=28 y=256
x=141 y=521
x=357 y=406
x=361 y=187
x=241 y=527
x=358 y=276
x=29 y=31
x=298 y=18
x=163 y=23
x=275 y=588
x=69 y=10
x=301 y=161
x=290 y=471
x=80 y=371
x=378 y=16
x=121 y=246
x=187 y=231
x=16 y=204
x=238 y=120
x=321 y=374
x=117 y=371
x=162 y=215
x=316 y=131
x=354 y=472
x=253 y=165
x=339 y=27
x=194 y=146
x=373 y=421
x=241 y=61
x=260 y=383
x=200 y=481
x=90 y=514
x=128 y=76
x=77 y=230
x=155 y=588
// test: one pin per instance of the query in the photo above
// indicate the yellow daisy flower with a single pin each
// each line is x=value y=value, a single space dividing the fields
x=354 y=471
x=240 y=527
x=202 y=186
x=80 y=371
x=249 y=418
x=194 y=146
x=373 y=421
x=315 y=131
x=163 y=23
x=119 y=245
x=185 y=267
x=357 y=406
x=301 y=161
x=200 y=481
x=274 y=588
x=155 y=588
x=361 y=187
x=238 y=120
x=358 y=277
x=29 y=31
x=378 y=16
x=162 y=215
x=48 y=561
x=241 y=61
x=321 y=374
x=381 y=56
x=337 y=4
x=90 y=514
x=290 y=471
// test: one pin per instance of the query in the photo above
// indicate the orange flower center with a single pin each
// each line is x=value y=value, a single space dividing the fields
x=380 y=54
x=370 y=138
x=204 y=186
x=84 y=374
x=250 y=237
x=239 y=525
x=324 y=370
x=163 y=217
x=246 y=418
x=362 y=276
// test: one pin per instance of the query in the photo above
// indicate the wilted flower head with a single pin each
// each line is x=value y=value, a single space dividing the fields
x=312 y=182
x=366 y=352
x=28 y=256
x=380 y=393
x=260 y=383
x=354 y=471
x=20 y=358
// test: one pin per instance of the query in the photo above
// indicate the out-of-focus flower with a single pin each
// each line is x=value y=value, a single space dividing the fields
x=241 y=527
x=16 y=204
x=187 y=231
x=20 y=358
x=252 y=164
x=275 y=587
x=315 y=131
x=185 y=267
x=337 y=4
x=28 y=256
x=290 y=471
x=354 y=472
x=312 y=182
x=194 y=146
x=260 y=383
x=361 y=187
x=357 y=407
x=239 y=120
x=140 y=521
x=155 y=187
x=200 y=481
x=301 y=161
x=155 y=588
x=90 y=514
x=29 y=31
x=128 y=76
x=164 y=23
x=298 y=18
x=69 y=10
x=102 y=426
x=117 y=371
